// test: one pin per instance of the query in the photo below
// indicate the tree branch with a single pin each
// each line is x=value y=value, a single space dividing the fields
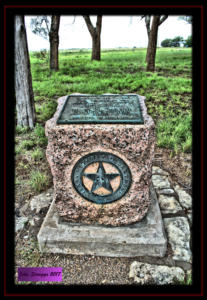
x=163 y=18
x=89 y=25
x=73 y=20
x=147 y=23
x=46 y=21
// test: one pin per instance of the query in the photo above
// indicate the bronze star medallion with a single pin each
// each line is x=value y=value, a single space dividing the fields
x=101 y=177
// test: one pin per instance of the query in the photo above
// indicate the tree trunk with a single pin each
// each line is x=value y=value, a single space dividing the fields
x=96 y=48
x=147 y=55
x=152 y=45
x=147 y=23
x=23 y=78
x=54 y=42
x=96 y=36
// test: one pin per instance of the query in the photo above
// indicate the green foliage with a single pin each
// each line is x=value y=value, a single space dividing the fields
x=39 y=130
x=24 y=145
x=188 y=42
x=19 y=149
x=188 y=19
x=37 y=154
x=38 y=181
x=40 y=25
x=30 y=140
x=39 y=135
x=166 y=43
x=189 y=279
x=46 y=110
x=20 y=130
x=176 y=42
x=42 y=54
x=28 y=144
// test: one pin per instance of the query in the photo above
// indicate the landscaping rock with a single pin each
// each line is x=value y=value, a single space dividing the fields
x=168 y=204
x=32 y=222
x=160 y=182
x=20 y=222
x=178 y=232
x=166 y=192
x=146 y=273
x=183 y=265
x=42 y=200
x=184 y=198
x=189 y=214
x=159 y=171
x=23 y=209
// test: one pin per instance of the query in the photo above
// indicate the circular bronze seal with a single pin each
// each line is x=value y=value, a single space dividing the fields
x=101 y=177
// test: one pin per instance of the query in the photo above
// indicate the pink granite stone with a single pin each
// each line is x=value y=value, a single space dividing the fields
x=133 y=143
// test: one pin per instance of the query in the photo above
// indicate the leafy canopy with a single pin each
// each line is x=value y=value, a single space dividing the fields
x=40 y=25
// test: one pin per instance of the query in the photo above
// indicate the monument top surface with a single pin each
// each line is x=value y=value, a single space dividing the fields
x=113 y=109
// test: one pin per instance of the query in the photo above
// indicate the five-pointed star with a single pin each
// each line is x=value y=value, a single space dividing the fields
x=101 y=179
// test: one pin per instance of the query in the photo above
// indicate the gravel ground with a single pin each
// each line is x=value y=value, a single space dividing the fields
x=91 y=270
x=78 y=269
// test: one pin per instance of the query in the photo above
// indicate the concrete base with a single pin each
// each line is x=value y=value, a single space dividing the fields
x=144 y=238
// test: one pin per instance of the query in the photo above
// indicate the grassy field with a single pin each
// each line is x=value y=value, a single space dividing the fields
x=168 y=93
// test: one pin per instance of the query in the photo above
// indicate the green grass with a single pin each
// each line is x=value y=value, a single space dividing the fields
x=39 y=135
x=189 y=279
x=185 y=281
x=39 y=181
x=45 y=110
x=30 y=139
x=37 y=154
x=30 y=255
x=168 y=90
x=20 y=130
x=24 y=145
x=175 y=133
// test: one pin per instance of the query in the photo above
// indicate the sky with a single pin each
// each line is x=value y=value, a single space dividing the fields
x=117 y=31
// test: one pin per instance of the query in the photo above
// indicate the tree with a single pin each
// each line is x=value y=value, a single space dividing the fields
x=176 y=42
x=48 y=27
x=40 y=25
x=166 y=43
x=152 y=32
x=188 y=19
x=95 y=34
x=23 y=78
x=188 y=42
x=54 y=42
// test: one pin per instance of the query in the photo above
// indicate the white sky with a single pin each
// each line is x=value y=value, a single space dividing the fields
x=117 y=31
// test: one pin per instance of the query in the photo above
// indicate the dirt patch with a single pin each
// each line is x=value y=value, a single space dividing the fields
x=179 y=166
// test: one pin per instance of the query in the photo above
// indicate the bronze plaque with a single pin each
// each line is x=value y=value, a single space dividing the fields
x=101 y=177
x=89 y=109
